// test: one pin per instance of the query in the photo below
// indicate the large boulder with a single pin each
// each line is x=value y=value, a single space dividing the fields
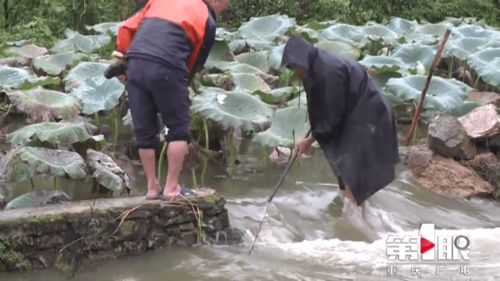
x=487 y=166
x=446 y=176
x=483 y=122
x=448 y=137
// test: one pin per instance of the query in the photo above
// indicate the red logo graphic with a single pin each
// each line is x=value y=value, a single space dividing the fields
x=425 y=245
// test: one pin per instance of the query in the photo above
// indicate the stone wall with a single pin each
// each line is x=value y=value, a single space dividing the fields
x=69 y=235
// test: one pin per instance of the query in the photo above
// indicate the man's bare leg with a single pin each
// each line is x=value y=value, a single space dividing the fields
x=350 y=197
x=148 y=160
x=176 y=152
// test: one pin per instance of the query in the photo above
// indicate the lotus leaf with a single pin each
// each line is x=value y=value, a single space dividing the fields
x=23 y=163
x=381 y=78
x=274 y=57
x=107 y=173
x=384 y=64
x=56 y=64
x=54 y=133
x=300 y=101
x=289 y=126
x=29 y=51
x=99 y=93
x=277 y=95
x=250 y=83
x=377 y=31
x=219 y=53
x=308 y=33
x=75 y=42
x=106 y=27
x=443 y=95
x=224 y=81
x=266 y=28
x=14 y=78
x=410 y=54
x=343 y=32
x=233 y=109
x=45 y=105
x=401 y=26
x=238 y=46
x=255 y=59
x=462 y=48
x=487 y=64
x=38 y=199
x=340 y=48
x=81 y=72
x=472 y=31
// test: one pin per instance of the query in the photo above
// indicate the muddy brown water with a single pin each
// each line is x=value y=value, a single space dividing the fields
x=308 y=235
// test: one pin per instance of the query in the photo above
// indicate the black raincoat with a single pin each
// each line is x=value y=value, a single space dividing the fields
x=352 y=122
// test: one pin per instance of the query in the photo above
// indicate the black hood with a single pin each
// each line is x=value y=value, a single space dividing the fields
x=297 y=51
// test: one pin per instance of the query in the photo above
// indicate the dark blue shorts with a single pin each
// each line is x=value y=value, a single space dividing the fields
x=156 y=88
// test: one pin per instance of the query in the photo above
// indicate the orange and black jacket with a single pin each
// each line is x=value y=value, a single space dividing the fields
x=177 y=33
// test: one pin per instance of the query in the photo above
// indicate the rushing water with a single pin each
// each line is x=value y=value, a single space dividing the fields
x=310 y=237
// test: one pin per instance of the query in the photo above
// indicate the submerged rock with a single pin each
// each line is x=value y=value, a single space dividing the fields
x=449 y=138
x=446 y=176
x=482 y=122
x=487 y=166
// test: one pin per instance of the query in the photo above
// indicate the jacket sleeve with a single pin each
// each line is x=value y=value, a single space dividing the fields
x=209 y=40
x=127 y=31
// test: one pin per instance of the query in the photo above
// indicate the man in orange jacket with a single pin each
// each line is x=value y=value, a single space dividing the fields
x=165 y=44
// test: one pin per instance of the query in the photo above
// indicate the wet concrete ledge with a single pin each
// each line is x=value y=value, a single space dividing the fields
x=70 y=235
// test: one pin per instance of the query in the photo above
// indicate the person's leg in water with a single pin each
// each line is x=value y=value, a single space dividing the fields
x=350 y=197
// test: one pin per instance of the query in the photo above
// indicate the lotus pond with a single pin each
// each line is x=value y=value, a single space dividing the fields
x=67 y=135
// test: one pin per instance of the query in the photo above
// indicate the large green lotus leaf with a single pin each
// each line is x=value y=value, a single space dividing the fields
x=464 y=109
x=233 y=110
x=255 y=59
x=267 y=28
x=378 y=31
x=429 y=34
x=82 y=72
x=25 y=162
x=250 y=83
x=277 y=95
x=29 y=51
x=275 y=56
x=343 y=32
x=99 y=93
x=299 y=101
x=411 y=54
x=75 y=42
x=15 y=78
x=223 y=34
x=258 y=44
x=443 y=94
x=462 y=48
x=308 y=33
x=107 y=173
x=471 y=31
x=384 y=64
x=54 y=133
x=56 y=64
x=242 y=68
x=105 y=27
x=401 y=26
x=219 y=53
x=45 y=105
x=38 y=199
x=288 y=127
x=340 y=48
x=238 y=46
x=487 y=64
x=381 y=78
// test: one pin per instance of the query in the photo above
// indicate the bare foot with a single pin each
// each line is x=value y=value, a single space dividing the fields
x=172 y=192
x=153 y=189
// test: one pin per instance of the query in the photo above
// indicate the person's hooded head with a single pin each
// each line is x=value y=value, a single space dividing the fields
x=296 y=54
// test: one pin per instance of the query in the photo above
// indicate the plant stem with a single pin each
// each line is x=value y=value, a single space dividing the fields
x=55 y=183
x=161 y=162
x=205 y=127
x=32 y=184
x=115 y=133
x=204 y=171
x=450 y=69
x=193 y=174
x=97 y=119
x=477 y=81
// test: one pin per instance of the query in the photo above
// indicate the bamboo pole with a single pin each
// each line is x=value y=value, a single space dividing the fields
x=416 y=116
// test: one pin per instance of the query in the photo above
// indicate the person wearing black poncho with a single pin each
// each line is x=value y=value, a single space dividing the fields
x=350 y=119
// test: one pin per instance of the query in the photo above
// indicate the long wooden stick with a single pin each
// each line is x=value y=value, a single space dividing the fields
x=416 y=116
